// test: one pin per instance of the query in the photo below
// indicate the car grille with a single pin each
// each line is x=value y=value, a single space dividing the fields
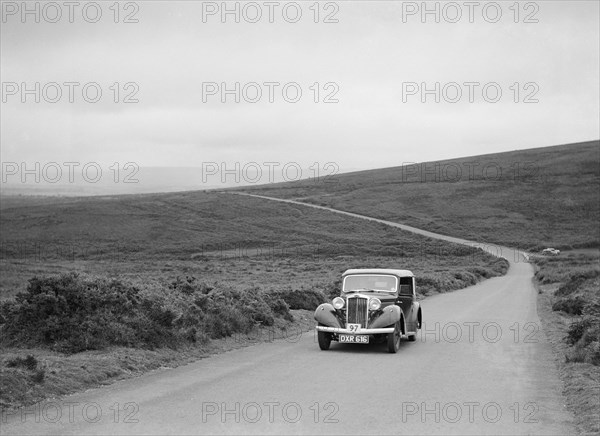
x=357 y=311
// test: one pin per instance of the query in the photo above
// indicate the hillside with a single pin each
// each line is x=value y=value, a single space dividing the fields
x=217 y=237
x=543 y=197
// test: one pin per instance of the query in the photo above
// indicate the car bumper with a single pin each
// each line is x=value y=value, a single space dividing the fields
x=344 y=331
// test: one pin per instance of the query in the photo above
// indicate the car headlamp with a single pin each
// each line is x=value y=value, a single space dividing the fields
x=374 y=303
x=338 y=303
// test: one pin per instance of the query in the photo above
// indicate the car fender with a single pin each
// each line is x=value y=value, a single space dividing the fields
x=418 y=316
x=325 y=315
x=416 y=309
x=389 y=316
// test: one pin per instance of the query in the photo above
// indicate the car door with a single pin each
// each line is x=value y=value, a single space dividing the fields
x=406 y=298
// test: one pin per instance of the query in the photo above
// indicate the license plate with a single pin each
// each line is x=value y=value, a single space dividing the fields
x=352 y=339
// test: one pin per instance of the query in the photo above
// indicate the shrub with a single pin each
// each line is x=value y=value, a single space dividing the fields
x=38 y=376
x=280 y=308
x=576 y=331
x=584 y=335
x=256 y=308
x=189 y=285
x=69 y=313
x=333 y=289
x=481 y=272
x=576 y=281
x=29 y=362
x=427 y=285
x=572 y=306
x=307 y=299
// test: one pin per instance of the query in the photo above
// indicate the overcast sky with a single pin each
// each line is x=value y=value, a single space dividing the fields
x=369 y=53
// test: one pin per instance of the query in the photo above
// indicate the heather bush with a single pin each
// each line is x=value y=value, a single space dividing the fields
x=29 y=362
x=584 y=335
x=307 y=299
x=71 y=313
x=576 y=281
x=572 y=306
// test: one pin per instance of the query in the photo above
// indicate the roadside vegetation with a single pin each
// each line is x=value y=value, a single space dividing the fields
x=69 y=313
x=569 y=302
x=574 y=280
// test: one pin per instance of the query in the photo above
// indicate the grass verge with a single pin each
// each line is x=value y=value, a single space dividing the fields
x=568 y=295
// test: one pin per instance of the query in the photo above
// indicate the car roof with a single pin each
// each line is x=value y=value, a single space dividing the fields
x=396 y=272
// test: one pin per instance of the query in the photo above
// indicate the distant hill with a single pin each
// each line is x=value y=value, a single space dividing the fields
x=542 y=197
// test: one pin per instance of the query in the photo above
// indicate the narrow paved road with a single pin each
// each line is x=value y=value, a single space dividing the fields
x=481 y=365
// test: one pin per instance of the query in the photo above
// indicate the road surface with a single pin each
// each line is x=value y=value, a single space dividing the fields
x=481 y=365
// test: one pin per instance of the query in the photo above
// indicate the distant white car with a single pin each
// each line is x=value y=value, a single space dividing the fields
x=551 y=251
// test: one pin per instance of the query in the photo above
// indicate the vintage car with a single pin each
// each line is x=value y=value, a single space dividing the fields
x=551 y=251
x=375 y=304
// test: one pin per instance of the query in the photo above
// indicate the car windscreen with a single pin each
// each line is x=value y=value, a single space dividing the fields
x=373 y=282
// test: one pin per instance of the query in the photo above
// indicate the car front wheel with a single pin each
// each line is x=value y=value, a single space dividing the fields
x=324 y=340
x=393 y=339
